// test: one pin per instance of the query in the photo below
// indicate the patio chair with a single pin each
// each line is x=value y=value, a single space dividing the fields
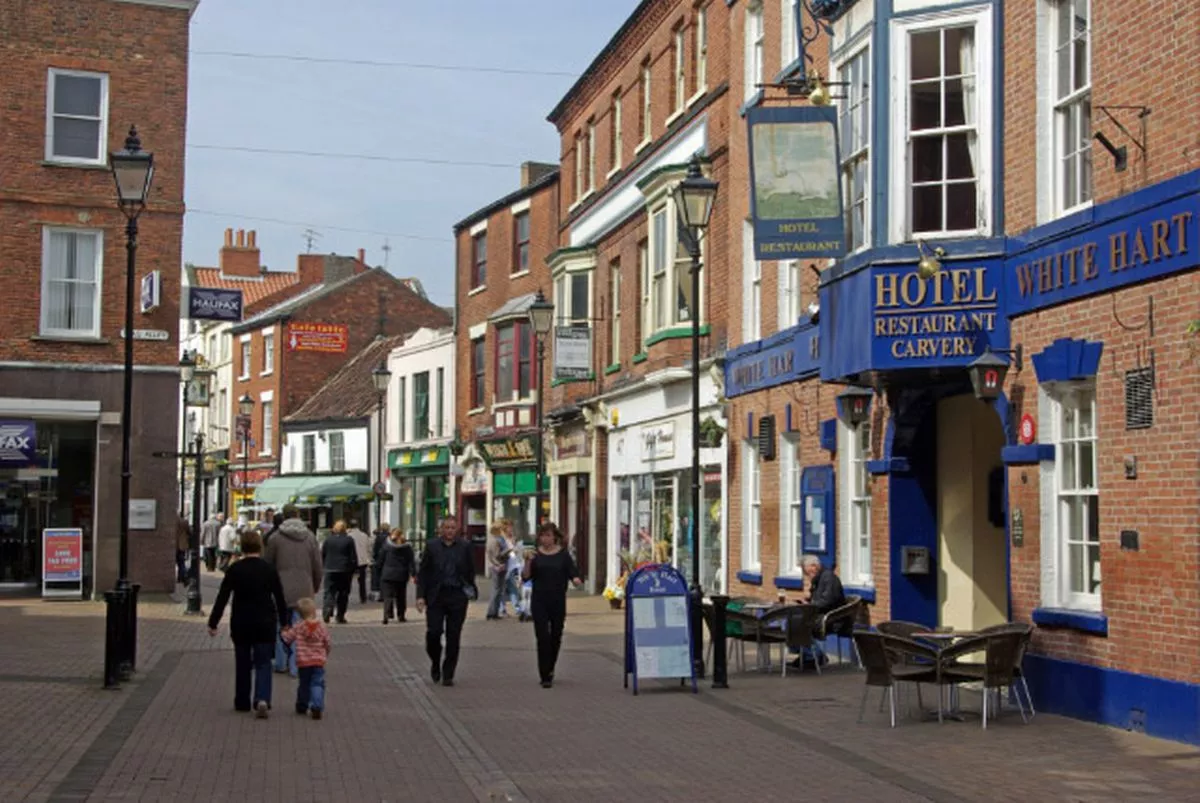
x=1018 y=669
x=900 y=628
x=800 y=624
x=1001 y=650
x=840 y=623
x=879 y=654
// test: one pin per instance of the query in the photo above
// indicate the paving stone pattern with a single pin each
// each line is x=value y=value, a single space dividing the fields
x=171 y=734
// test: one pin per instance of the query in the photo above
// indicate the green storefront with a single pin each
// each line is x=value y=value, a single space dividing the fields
x=513 y=463
x=421 y=477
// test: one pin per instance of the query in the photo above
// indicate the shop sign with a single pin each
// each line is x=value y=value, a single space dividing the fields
x=1133 y=249
x=572 y=352
x=658 y=441
x=143 y=514
x=572 y=443
x=418 y=458
x=772 y=362
x=949 y=315
x=238 y=479
x=214 y=304
x=474 y=479
x=18 y=441
x=330 y=338
x=796 y=191
x=151 y=292
x=511 y=450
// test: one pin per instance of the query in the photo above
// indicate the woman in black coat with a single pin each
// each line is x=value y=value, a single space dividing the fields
x=258 y=607
x=396 y=562
x=551 y=569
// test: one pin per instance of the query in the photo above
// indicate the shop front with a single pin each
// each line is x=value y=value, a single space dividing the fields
x=650 y=479
x=513 y=464
x=571 y=470
x=420 y=483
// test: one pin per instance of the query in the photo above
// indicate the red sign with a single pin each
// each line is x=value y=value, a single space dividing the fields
x=1028 y=429
x=257 y=475
x=331 y=338
x=62 y=555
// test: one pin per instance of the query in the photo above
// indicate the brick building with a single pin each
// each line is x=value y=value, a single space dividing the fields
x=77 y=76
x=286 y=352
x=971 y=137
x=500 y=259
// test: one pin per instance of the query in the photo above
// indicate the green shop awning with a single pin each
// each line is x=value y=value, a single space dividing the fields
x=278 y=491
x=339 y=492
x=522 y=482
x=432 y=459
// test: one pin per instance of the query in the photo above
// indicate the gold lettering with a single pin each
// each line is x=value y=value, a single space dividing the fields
x=1044 y=278
x=980 y=284
x=881 y=326
x=938 y=285
x=912 y=290
x=1139 y=247
x=898 y=349
x=1181 y=220
x=960 y=280
x=1118 y=250
x=1159 y=231
x=1071 y=254
x=1024 y=279
x=885 y=290
x=1090 y=269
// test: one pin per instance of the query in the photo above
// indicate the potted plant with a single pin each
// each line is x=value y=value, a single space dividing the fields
x=615 y=593
x=711 y=433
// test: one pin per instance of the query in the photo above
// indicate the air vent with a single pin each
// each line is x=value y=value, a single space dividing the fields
x=1139 y=398
x=766 y=437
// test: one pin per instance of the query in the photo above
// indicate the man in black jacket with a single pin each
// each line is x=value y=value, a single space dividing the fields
x=823 y=590
x=341 y=562
x=445 y=584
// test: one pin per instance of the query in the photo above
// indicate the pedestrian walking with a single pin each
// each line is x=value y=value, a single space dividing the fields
x=445 y=585
x=312 y=645
x=378 y=540
x=183 y=544
x=362 y=547
x=498 y=550
x=341 y=561
x=208 y=539
x=294 y=553
x=516 y=562
x=550 y=569
x=276 y=522
x=258 y=605
x=227 y=540
x=396 y=562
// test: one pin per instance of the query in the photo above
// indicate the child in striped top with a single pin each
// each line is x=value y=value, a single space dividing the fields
x=311 y=642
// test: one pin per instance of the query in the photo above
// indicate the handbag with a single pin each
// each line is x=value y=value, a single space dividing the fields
x=472 y=591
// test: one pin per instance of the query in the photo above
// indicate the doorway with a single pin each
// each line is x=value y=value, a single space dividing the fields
x=573 y=517
x=972 y=555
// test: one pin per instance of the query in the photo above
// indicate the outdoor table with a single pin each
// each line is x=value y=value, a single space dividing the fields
x=947 y=636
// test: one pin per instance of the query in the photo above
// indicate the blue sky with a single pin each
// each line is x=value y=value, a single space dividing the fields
x=388 y=111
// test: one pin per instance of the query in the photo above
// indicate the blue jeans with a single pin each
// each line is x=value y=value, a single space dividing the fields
x=247 y=657
x=310 y=693
x=285 y=655
x=513 y=587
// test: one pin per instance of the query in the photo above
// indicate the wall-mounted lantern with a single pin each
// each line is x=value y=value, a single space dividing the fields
x=854 y=405
x=456 y=446
x=989 y=370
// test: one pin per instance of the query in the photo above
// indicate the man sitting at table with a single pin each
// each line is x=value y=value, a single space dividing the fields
x=823 y=590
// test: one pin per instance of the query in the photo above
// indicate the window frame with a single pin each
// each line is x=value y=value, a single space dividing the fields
x=900 y=206
x=791 y=509
x=1059 y=398
x=752 y=306
x=440 y=429
x=645 y=297
x=44 y=329
x=751 y=507
x=479 y=259
x=791 y=293
x=855 y=502
x=420 y=433
x=478 y=386
x=267 y=421
x=616 y=139
x=754 y=34
x=337 y=450
x=402 y=409
x=614 y=305
x=1059 y=104
x=247 y=357
x=521 y=247
x=846 y=108
x=789 y=41
x=308 y=446
x=665 y=285
x=102 y=145
x=701 y=45
x=591 y=155
x=268 y=357
x=646 y=112
x=679 y=69
x=520 y=328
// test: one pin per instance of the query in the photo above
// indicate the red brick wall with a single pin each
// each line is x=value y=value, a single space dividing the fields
x=143 y=49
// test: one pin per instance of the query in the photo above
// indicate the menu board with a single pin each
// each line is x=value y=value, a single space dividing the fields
x=658 y=636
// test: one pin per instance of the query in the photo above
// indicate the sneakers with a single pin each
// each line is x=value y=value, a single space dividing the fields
x=260 y=709
x=315 y=713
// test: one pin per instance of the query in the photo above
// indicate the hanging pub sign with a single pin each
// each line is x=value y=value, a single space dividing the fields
x=572 y=352
x=795 y=191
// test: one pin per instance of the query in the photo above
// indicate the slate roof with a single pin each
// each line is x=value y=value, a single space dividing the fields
x=350 y=393
x=284 y=311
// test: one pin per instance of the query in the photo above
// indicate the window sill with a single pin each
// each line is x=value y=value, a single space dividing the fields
x=477 y=411
x=88 y=340
x=264 y=454
x=1092 y=622
x=526 y=402
x=244 y=378
x=591 y=377
x=866 y=592
x=474 y=291
x=76 y=165
x=675 y=333
x=641 y=146
x=616 y=169
x=612 y=369
x=675 y=115
x=640 y=357
x=267 y=373
x=519 y=274
x=701 y=92
x=794 y=583
x=750 y=578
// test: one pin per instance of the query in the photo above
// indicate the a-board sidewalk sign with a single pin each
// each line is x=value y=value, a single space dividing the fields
x=62 y=563
x=658 y=626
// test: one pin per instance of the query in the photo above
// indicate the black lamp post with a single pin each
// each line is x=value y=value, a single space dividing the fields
x=187 y=371
x=541 y=318
x=694 y=198
x=246 y=410
x=382 y=377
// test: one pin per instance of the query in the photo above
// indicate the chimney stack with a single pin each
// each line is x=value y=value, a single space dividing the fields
x=362 y=255
x=243 y=259
x=535 y=171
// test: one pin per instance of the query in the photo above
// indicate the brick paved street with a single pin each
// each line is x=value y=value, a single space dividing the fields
x=171 y=734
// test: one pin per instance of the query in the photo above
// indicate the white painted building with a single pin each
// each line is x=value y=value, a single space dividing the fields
x=418 y=431
x=210 y=345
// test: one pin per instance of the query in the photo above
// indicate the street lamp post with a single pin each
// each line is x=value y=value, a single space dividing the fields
x=693 y=203
x=382 y=377
x=541 y=318
x=187 y=370
x=245 y=409
x=133 y=171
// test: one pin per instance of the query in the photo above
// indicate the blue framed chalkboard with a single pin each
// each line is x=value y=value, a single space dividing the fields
x=658 y=626
x=818 y=531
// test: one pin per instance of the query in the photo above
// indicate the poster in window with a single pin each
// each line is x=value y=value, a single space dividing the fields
x=796 y=192
x=572 y=352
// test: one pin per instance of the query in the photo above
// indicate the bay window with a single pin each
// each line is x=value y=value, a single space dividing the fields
x=614 y=304
x=943 y=62
x=667 y=273
x=644 y=323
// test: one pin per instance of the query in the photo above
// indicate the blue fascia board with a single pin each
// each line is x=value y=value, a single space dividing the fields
x=795 y=583
x=970 y=248
x=1029 y=455
x=829 y=435
x=750 y=578
x=1067 y=360
x=867 y=594
x=1083 y=621
x=888 y=465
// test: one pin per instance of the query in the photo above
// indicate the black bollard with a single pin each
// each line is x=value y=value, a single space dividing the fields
x=121 y=600
x=133 y=627
x=720 y=675
x=112 y=660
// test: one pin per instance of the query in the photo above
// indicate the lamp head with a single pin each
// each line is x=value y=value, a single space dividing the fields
x=133 y=170
x=246 y=404
x=187 y=367
x=541 y=314
x=381 y=376
x=694 y=197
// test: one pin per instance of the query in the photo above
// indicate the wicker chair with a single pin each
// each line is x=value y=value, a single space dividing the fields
x=801 y=622
x=840 y=623
x=1002 y=651
x=888 y=660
